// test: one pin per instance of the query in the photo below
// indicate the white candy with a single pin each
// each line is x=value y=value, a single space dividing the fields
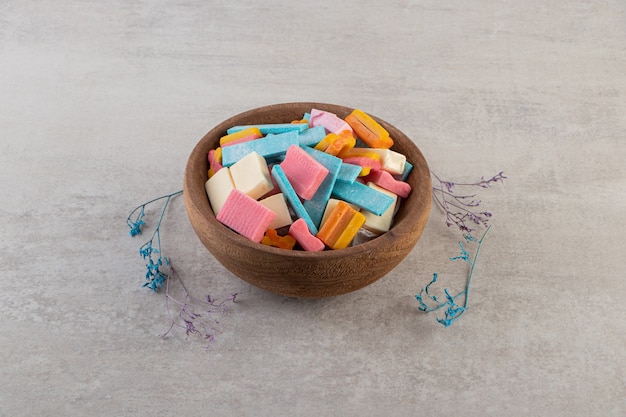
x=380 y=224
x=278 y=205
x=391 y=161
x=251 y=175
x=218 y=187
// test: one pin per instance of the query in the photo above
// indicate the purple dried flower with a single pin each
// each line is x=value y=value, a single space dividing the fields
x=499 y=177
x=195 y=316
x=449 y=185
x=459 y=208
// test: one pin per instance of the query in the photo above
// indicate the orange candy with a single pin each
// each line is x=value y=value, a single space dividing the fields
x=344 y=142
x=341 y=227
x=369 y=130
x=334 y=144
x=272 y=238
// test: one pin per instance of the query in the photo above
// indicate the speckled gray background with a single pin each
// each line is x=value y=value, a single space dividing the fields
x=102 y=101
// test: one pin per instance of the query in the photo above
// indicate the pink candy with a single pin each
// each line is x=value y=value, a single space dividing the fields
x=242 y=140
x=300 y=231
x=330 y=121
x=213 y=161
x=385 y=180
x=245 y=215
x=363 y=161
x=304 y=173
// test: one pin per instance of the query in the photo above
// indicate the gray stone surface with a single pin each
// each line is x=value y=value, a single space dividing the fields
x=101 y=103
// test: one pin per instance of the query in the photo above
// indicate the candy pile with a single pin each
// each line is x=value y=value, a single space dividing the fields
x=314 y=182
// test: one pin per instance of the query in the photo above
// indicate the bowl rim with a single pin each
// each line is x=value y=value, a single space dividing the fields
x=202 y=205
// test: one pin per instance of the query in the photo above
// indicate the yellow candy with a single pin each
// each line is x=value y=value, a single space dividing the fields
x=324 y=143
x=350 y=231
x=359 y=153
x=341 y=227
x=254 y=132
x=365 y=171
x=342 y=143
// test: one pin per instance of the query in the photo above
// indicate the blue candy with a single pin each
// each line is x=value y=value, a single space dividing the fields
x=292 y=198
x=362 y=196
x=316 y=205
x=267 y=147
x=272 y=128
x=312 y=136
x=407 y=170
x=349 y=172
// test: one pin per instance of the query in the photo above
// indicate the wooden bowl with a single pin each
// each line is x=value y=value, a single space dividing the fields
x=299 y=273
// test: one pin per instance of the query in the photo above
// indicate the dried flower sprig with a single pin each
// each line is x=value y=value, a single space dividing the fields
x=461 y=209
x=156 y=263
x=429 y=302
x=195 y=316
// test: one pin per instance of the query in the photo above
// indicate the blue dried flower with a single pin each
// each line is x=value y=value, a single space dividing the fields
x=155 y=275
x=464 y=254
x=429 y=302
x=135 y=228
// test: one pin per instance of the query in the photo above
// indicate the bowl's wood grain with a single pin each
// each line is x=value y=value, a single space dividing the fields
x=300 y=273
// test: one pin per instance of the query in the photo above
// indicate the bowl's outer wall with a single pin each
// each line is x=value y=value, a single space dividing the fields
x=300 y=273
